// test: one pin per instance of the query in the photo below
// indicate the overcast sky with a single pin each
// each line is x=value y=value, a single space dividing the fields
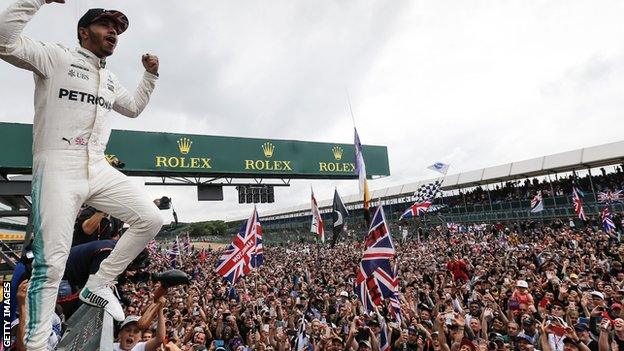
x=470 y=83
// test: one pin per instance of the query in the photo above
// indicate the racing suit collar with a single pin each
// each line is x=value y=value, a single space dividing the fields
x=98 y=62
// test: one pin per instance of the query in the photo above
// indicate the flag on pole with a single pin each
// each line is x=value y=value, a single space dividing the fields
x=537 y=203
x=609 y=196
x=428 y=192
x=577 y=200
x=301 y=342
x=257 y=256
x=186 y=244
x=384 y=336
x=607 y=222
x=236 y=260
x=439 y=167
x=416 y=210
x=174 y=254
x=340 y=212
x=317 y=226
x=360 y=169
x=375 y=278
x=395 y=303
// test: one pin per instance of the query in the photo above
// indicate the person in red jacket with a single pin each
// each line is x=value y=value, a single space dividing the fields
x=458 y=268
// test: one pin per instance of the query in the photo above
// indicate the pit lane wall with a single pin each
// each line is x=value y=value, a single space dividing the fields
x=170 y=154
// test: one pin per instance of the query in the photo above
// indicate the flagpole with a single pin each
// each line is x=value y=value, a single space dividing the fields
x=487 y=186
x=591 y=183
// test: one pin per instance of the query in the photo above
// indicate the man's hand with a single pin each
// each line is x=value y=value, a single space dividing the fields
x=150 y=62
x=21 y=292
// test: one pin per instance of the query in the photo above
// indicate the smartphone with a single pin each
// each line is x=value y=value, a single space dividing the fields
x=219 y=343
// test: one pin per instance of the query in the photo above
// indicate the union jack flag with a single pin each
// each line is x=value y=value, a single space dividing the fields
x=242 y=254
x=174 y=254
x=375 y=277
x=537 y=203
x=384 y=336
x=610 y=196
x=607 y=222
x=452 y=227
x=257 y=257
x=395 y=303
x=578 y=203
x=152 y=248
x=417 y=209
x=186 y=244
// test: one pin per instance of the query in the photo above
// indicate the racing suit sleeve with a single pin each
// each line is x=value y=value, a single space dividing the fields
x=132 y=105
x=20 y=50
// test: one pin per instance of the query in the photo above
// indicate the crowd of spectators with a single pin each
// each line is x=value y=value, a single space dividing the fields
x=527 y=286
x=548 y=186
x=551 y=287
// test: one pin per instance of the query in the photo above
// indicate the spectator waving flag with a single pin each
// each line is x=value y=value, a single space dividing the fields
x=428 y=192
x=317 y=227
x=577 y=200
x=236 y=260
x=537 y=204
x=360 y=169
x=416 y=210
x=607 y=222
x=439 y=167
x=375 y=277
x=609 y=196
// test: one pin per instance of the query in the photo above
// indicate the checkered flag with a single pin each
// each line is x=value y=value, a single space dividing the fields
x=427 y=192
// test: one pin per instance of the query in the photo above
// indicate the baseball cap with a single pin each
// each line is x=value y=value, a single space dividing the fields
x=573 y=276
x=522 y=284
x=344 y=294
x=365 y=343
x=524 y=338
x=92 y=15
x=616 y=306
x=579 y=327
x=597 y=294
x=129 y=320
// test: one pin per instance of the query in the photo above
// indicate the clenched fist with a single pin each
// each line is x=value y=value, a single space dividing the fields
x=150 y=62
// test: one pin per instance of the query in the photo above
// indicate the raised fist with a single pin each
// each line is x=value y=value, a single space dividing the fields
x=150 y=62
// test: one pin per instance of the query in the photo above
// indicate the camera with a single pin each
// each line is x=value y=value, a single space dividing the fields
x=164 y=203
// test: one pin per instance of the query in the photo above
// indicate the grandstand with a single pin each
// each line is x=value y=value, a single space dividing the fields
x=499 y=193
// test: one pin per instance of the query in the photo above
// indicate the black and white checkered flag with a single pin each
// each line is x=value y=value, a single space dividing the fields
x=428 y=192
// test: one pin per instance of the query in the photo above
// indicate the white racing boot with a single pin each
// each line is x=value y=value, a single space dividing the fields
x=103 y=296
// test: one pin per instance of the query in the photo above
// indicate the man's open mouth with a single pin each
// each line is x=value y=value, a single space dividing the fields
x=111 y=40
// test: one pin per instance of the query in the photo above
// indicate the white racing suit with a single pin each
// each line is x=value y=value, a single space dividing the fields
x=74 y=95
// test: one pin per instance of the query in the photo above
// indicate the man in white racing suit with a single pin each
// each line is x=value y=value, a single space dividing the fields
x=74 y=94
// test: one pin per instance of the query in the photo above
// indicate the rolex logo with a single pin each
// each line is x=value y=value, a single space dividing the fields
x=337 y=151
x=268 y=149
x=184 y=144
